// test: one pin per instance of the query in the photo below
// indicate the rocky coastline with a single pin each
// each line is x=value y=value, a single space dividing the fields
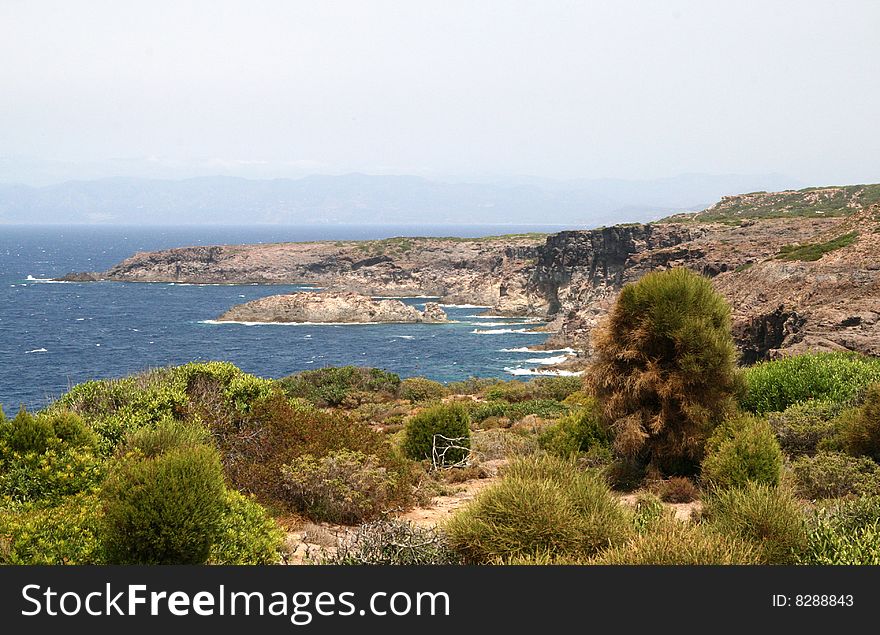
x=571 y=278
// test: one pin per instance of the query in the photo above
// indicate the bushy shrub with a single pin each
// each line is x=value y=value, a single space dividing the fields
x=168 y=435
x=804 y=425
x=163 y=510
x=47 y=456
x=678 y=489
x=278 y=431
x=835 y=474
x=424 y=430
x=332 y=386
x=556 y=388
x=541 y=504
x=770 y=517
x=828 y=545
x=65 y=534
x=510 y=391
x=489 y=445
x=845 y=533
x=546 y=408
x=417 y=389
x=836 y=377
x=860 y=431
x=665 y=369
x=342 y=487
x=470 y=386
x=676 y=543
x=247 y=534
x=207 y=391
x=392 y=542
x=575 y=433
x=742 y=449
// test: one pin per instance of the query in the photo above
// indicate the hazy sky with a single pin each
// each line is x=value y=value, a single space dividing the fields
x=548 y=88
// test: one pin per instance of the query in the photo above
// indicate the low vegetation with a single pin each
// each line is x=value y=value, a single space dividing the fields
x=814 y=251
x=666 y=454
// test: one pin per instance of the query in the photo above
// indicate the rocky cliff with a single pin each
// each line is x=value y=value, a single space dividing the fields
x=800 y=269
x=337 y=307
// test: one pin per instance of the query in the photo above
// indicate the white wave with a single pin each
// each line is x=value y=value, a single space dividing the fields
x=557 y=359
x=526 y=349
x=33 y=280
x=501 y=317
x=215 y=322
x=403 y=297
x=504 y=331
x=38 y=350
x=465 y=306
x=406 y=337
x=501 y=323
x=543 y=372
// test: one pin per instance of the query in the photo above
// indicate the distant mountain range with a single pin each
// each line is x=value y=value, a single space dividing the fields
x=369 y=199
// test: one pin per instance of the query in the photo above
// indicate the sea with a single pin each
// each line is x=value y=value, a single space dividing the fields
x=54 y=335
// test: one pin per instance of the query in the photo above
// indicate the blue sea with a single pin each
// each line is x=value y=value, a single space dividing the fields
x=55 y=335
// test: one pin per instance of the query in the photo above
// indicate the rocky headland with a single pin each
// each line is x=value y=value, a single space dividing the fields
x=332 y=307
x=800 y=268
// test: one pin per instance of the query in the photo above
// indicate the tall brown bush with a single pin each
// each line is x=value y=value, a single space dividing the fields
x=665 y=371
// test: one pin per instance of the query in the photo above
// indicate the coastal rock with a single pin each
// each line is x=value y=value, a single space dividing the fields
x=341 y=307
x=79 y=276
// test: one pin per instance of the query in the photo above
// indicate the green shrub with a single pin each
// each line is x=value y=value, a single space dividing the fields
x=665 y=369
x=860 y=431
x=556 y=388
x=163 y=510
x=392 y=542
x=541 y=504
x=166 y=436
x=649 y=512
x=575 y=433
x=341 y=487
x=845 y=533
x=66 y=534
x=835 y=377
x=210 y=391
x=489 y=445
x=332 y=386
x=45 y=457
x=770 y=517
x=545 y=408
x=450 y=421
x=417 y=389
x=814 y=251
x=510 y=391
x=676 y=543
x=829 y=546
x=743 y=449
x=246 y=534
x=277 y=431
x=834 y=474
x=803 y=426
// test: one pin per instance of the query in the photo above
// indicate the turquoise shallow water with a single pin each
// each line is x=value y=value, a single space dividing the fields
x=55 y=335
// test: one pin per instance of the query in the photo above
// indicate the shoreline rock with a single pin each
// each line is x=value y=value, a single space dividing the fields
x=332 y=307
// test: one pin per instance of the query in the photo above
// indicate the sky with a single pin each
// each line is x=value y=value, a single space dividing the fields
x=547 y=88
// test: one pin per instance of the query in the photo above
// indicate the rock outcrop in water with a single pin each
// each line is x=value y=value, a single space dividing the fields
x=572 y=278
x=337 y=307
